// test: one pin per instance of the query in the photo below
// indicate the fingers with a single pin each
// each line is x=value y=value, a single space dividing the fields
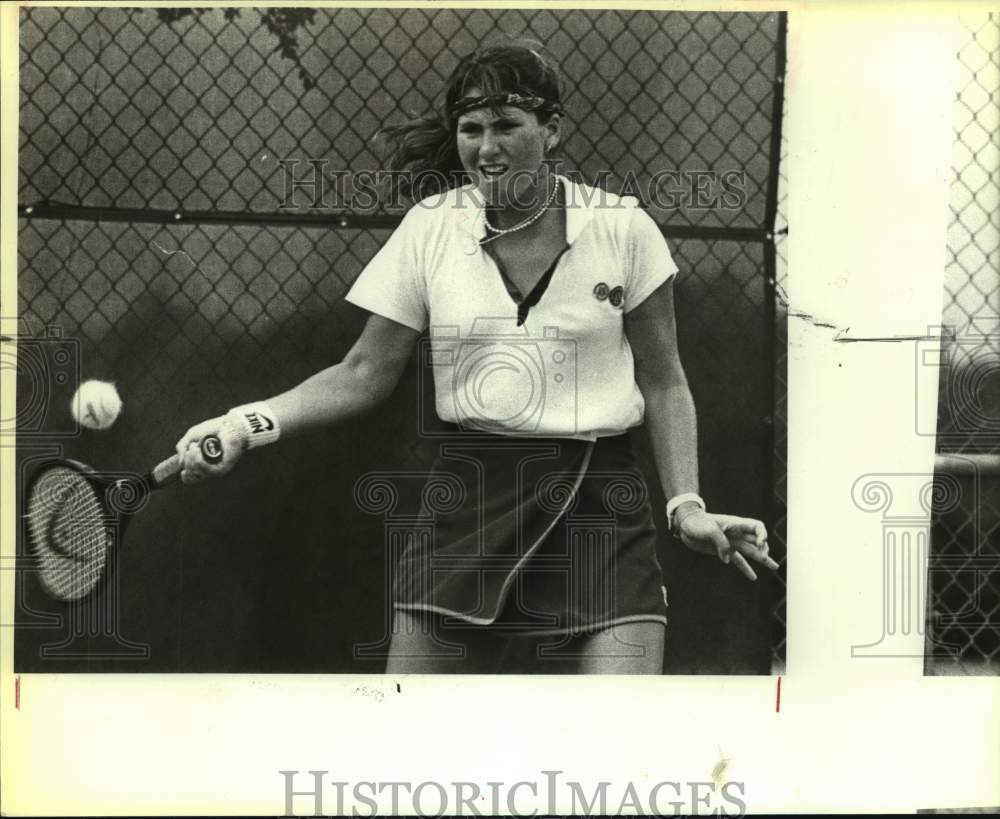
x=744 y=568
x=194 y=436
x=723 y=548
x=188 y=453
x=749 y=540
x=748 y=548
x=733 y=539
x=194 y=467
x=744 y=527
x=184 y=443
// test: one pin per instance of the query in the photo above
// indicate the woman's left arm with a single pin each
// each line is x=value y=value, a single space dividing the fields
x=672 y=424
x=670 y=414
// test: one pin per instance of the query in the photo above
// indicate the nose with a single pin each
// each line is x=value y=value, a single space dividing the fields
x=489 y=147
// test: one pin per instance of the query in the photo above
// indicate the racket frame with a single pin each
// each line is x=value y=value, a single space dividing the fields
x=115 y=521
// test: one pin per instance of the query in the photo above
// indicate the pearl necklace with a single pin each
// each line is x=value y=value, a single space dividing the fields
x=498 y=232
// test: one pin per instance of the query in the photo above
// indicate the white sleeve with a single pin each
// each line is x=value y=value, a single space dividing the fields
x=393 y=283
x=648 y=260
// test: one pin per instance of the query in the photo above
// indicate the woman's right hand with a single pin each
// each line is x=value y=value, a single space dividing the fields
x=194 y=467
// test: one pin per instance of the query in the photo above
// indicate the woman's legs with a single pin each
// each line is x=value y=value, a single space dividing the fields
x=421 y=644
x=628 y=648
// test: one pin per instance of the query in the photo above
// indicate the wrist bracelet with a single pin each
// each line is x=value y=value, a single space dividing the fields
x=256 y=423
x=676 y=501
x=680 y=517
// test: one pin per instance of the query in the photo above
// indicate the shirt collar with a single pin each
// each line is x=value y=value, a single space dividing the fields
x=470 y=210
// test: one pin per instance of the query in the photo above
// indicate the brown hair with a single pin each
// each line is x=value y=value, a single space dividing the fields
x=426 y=146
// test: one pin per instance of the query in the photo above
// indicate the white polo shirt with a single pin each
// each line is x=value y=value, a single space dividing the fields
x=568 y=370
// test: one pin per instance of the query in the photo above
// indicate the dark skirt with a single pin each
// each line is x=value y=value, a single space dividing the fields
x=535 y=536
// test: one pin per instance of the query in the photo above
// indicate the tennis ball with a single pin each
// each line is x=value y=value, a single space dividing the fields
x=96 y=404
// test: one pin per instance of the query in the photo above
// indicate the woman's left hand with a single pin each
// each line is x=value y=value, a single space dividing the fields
x=732 y=538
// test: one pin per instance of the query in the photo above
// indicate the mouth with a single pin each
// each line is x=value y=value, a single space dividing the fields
x=492 y=171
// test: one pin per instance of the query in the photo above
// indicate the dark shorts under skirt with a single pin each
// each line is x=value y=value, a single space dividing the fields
x=535 y=536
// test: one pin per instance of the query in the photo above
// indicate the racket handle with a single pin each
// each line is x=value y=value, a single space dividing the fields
x=169 y=470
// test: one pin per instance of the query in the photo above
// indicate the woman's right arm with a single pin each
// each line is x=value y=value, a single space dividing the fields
x=367 y=376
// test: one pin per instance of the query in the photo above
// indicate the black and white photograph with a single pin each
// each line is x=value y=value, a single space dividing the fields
x=508 y=409
x=963 y=616
x=941 y=582
x=497 y=289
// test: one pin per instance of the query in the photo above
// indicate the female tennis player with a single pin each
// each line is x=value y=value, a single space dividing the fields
x=551 y=318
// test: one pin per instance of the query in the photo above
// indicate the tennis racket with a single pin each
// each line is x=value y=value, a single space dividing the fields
x=73 y=514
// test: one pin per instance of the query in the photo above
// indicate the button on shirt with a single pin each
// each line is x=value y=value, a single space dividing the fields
x=568 y=370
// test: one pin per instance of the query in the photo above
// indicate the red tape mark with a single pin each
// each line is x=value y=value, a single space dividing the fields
x=777 y=700
x=17 y=692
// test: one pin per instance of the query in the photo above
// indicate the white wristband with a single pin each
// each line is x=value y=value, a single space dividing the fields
x=677 y=500
x=256 y=423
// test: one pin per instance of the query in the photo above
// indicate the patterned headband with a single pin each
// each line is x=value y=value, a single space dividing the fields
x=522 y=101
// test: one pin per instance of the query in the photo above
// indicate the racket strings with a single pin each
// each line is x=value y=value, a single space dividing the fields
x=68 y=527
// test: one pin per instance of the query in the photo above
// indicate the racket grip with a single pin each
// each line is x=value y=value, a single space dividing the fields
x=211 y=449
x=169 y=470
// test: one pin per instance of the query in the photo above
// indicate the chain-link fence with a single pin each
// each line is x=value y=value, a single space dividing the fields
x=157 y=235
x=964 y=600
x=780 y=518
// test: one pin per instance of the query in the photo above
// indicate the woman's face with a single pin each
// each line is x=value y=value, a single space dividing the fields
x=503 y=151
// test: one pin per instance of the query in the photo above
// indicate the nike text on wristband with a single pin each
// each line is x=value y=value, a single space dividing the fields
x=677 y=500
x=256 y=422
